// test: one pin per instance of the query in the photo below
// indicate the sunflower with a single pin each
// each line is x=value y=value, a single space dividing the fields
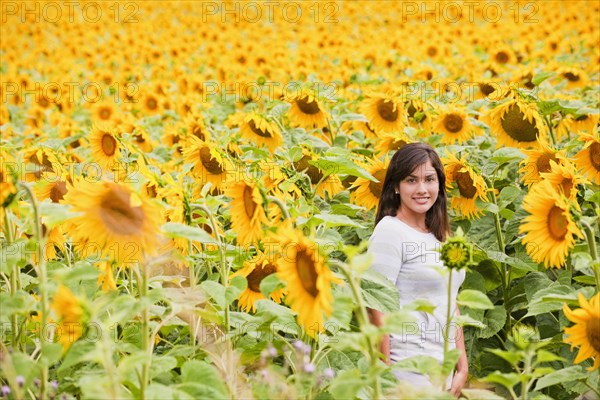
x=255 y=271
x=194 y=125
x=417 y=114
x=103 y=111
x=70 y=313
x=106 y=279
x=538 y=161
x=122 y=224
x=331 y=184
x=469 y=184
x=385 y=112
x=151 y=104
x=364 y=127
x=44 y=161
x=307 y=279
x=588 y=158
x=307 y=110
x=585 y=123
x=106 y=149
x=389 y=142
x=260 y=130
x=452 y=122
x=517 y=124
x=574 y=77
x=209 y=164
x=366 y=193
x=8 y=190
x=141 y=139
x=247 y=212
x=586 y=331
x=565 y=179
x=549 y=229
x=51 y=187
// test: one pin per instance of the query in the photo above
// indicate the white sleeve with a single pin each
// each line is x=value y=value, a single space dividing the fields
x=387 y=254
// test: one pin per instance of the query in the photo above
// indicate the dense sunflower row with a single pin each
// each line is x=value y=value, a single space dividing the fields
x=270 y=137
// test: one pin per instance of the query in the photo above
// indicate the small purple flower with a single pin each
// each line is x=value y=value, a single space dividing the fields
x=272 y=351
x=54 y=385
x=307 y=348
x=37 y=382
x=299 y=345
x=20 y=380
x=309 y=368
x=328 y=373
x=5 y=390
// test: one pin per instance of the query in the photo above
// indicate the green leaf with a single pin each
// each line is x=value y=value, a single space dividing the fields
x=508 y=380
x=201 y=372
x=507 y=154
x=474 y=299
x=494 y=320
x=568 y=374
x=269 y=284
x=347 y=384
x=541 y=77
x=19 y=303
x=55 y=213
x=361 y=262
x=334 y=220
x=550 y=299
x=341 y=165
x=465 y=320
x=178 y=230
x=379 y=292
x=399 y=321
x=508 y=194
x=216 y=291
x=236 y=286
x=480 y=394
x=512 y=357
x=546 y=356
x=162 y=365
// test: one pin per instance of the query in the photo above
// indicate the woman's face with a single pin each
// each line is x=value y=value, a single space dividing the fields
x=419 y=190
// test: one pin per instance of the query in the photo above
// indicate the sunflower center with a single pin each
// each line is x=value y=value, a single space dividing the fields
x=105 y=113
x=259 y=131
x=257 y=275
x=308 y=107
x=592 y=331
x=118 y=215
x=581 y=117
x=557 y=223
x=502 y=57
x=109 y=144
x=465 y=184
x=411 y=109
x=543 y=162
x=571 y=76
x=151 y=103
x=377 y=187
x=197 y=131
x=307 y=272
x=567 y=186
x=595 y=155
x=249 y=204
x=486 y=89
x=453 y=123
x=58 y=191
x=208 y=161
x=387 y=111
x=517 y=126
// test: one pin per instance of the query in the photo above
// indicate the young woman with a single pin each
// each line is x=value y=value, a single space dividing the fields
x=411 y=222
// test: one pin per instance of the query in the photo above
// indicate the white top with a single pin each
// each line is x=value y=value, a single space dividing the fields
x=411 y=259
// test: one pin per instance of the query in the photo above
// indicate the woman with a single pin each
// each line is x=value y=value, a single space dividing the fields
x=411 y=222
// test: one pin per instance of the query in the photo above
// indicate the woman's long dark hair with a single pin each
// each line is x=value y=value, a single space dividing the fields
x=409 y=157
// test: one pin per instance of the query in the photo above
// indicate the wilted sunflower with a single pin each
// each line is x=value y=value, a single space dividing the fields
x=70 y=314
x=454 y=125
x=366 y=193
x=105 y=146
x=261 y=131
x=549 y=229
x=586 y=332
x=255 y=271
x=247 y=212
x=385 y=112
x=307 y=278
x=469 y=184
x=517 y=124
x=565 y=179
x=209 y=164
x=588 y=158
x=538 y=161
x=121 y=224
x=307 y=110
x=585 y=123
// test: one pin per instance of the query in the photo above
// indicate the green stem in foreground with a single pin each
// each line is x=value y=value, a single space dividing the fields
x=589 y=235
x=143 y=291
x=43 y=279
x=446 y=328
x=14 y=280
x=224 y=269
x=363 y=320
x=280 y=204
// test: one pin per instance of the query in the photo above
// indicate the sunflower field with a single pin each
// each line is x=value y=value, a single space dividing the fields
x=188 y=189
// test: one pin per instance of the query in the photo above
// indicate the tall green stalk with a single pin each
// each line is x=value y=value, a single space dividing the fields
x=589 y=234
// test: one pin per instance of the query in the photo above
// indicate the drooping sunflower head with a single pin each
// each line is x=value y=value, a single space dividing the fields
x=585 y=334
x=44 y=160
x=70 y=314
x=365 y=192
x=452 y=122
x=384 y=111
x=307 y=278
x=565 y=179
x=549 y=229
x=576 y=125
x=307 y=110
x=330 y=184
x=588 y=158
x=538 y=161
x=259 y=130
x=194 y=125
x=390 y=142
x=517 y=124
x=209 y=164
x=121 y=224
x=466 y=186
x=247 y=212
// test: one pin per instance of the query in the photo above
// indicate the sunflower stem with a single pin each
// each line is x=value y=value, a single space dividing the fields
x=447 y=326
x=547 y=119
x=363 y=320
x=143 y=291
x=14 y=279
x=282 y=206
x=222 y=262
x=589 y=234
x=330 y=130
x=41 y=273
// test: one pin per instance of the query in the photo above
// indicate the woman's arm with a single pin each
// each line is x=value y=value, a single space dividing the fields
x=376 y=318
x=462 y=367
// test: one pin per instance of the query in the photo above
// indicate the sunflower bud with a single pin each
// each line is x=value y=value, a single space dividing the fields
x=457 y=252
